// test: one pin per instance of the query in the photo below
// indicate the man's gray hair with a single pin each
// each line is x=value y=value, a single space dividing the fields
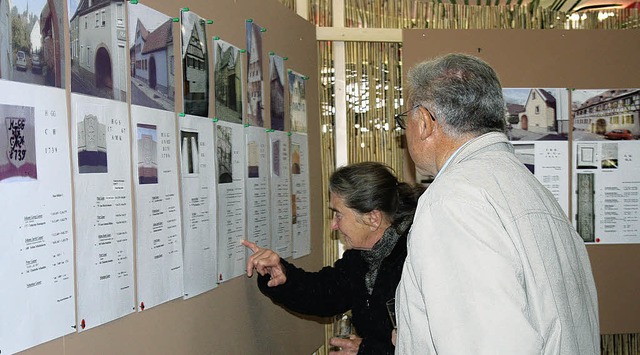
x=462 y=91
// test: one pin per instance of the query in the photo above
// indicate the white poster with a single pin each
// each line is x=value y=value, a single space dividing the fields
x=300 y=195
x=198 y=204
x=158 y=225
x=606 y=184
x=37 y=301
x=281 y=215
x=230 y=165
x=547 y=160
x=103 y=214
x=257 y=186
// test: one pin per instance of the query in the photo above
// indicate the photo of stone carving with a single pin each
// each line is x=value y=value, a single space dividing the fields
x=253 y=163
x=295 y=159
x=224 y=154
x=147 y=137
x=275 y=157
x=585 y=216
x=189 y=153
x=92 y=145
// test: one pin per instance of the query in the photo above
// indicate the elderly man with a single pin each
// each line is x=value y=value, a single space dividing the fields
x=494 y=265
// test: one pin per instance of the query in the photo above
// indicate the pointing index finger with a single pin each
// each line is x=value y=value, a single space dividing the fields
x=253 y=246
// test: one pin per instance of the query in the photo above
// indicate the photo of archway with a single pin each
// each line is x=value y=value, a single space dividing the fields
x=152 y=63
x=227 y=65
x=195 y=64
x=98 y=39
x=32 y=42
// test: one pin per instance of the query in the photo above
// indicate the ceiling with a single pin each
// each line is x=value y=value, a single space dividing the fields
x=586 y=5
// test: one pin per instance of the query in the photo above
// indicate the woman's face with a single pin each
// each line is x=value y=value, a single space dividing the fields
x=352 y=224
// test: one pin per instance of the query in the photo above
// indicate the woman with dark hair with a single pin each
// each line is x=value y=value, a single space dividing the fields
x=373 y=212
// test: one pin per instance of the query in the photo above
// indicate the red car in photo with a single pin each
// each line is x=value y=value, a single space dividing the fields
x=619 y=134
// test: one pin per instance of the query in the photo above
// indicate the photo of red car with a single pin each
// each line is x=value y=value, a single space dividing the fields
x=618 y=134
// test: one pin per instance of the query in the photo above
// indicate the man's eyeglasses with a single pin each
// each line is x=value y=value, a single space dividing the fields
x=401 y=118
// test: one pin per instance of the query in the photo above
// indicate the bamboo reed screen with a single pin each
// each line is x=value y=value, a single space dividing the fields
x=374 y=83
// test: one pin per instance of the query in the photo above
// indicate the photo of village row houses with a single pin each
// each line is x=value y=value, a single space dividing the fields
x=152 y=60
x=606 y=114
x=98 y=49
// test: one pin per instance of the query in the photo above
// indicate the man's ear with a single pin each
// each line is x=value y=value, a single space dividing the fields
x=373 y=219
x=425 y=123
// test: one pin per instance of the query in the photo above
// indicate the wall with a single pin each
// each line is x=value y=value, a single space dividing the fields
x=584 y=59
x=235 y=318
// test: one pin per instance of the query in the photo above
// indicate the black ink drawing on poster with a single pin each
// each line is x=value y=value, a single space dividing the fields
x=276 y=85
x=189 y=153
x=295 y=159
x=98 y=37
x=223 y=151
x=152 y=63
x=297 y=102
x=227 y=65
x=253 y=160
x=32 y=42
x=536 y=114
x=92 y=140
x=606 y=114
x=18 y=144
x=255 y=78
x=195 y=64
x=147 y=154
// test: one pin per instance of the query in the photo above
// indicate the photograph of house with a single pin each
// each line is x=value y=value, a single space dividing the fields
x=297 y=102
x=31 y=41
x=151 y=58
x=255 y=77
x=276 y=85
x=195 y=65
x=98 y=48
x=228 y=81
x=536 y=113
x=606 y=114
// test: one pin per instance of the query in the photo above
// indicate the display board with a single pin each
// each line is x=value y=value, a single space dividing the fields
x=585 y=59
x=234 y=317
